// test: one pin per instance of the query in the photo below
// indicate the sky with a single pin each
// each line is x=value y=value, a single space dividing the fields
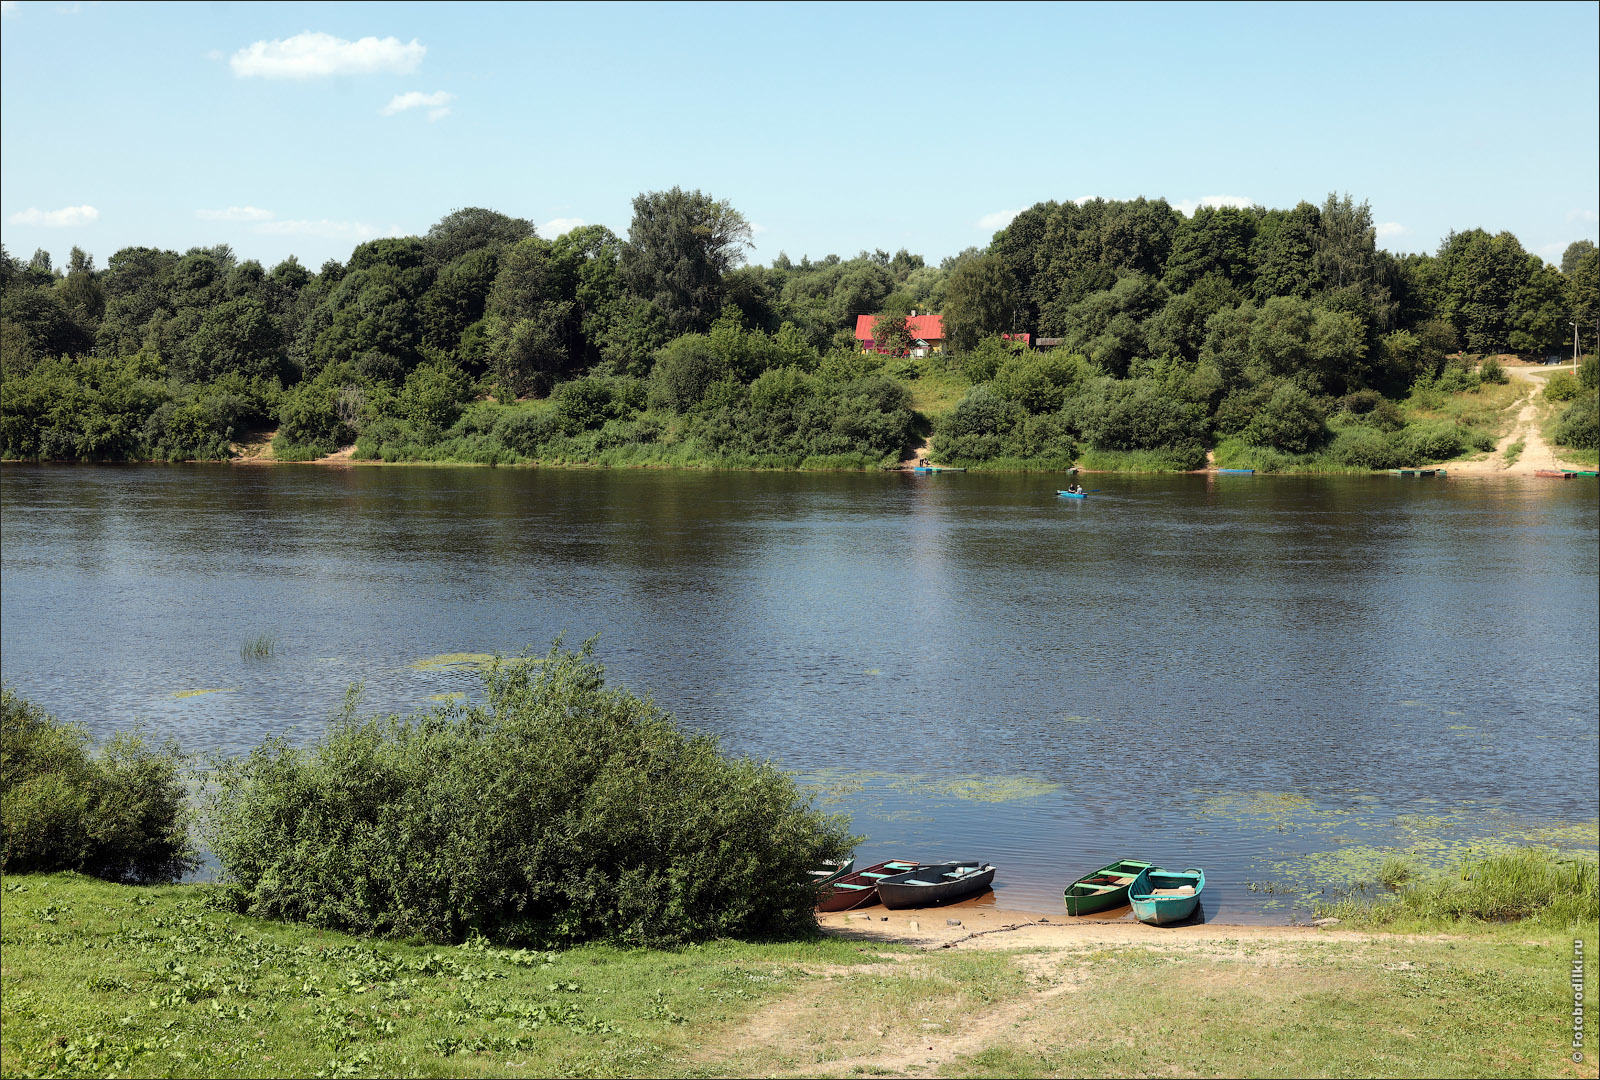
x=308 y=128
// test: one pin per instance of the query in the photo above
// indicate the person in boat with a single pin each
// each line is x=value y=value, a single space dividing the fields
x=1075 y=489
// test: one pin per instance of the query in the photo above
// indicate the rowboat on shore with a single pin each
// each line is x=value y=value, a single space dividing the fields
x=1104 y=889
x=1073 y=494
x=935 y=883
x=933 y=469
x=1163 y=897
x=861 y=888
x=1557 y=474
x=1237 y=472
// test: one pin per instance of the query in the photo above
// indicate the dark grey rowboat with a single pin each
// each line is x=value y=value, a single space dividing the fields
x=935 y=883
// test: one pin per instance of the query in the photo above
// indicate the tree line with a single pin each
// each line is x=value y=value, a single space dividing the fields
x=481 y=340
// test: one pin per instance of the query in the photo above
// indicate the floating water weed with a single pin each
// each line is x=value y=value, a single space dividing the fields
x=456 y=661
x=196 y=693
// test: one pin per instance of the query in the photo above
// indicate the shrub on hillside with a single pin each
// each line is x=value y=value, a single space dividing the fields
x=558 y=811
x=1562 y=386
x=1579 y=426
x=121 y=815
x=1589 y=373
x=1493 y=371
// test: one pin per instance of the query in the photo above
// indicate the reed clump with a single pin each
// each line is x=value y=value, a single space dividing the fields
x=260 y=647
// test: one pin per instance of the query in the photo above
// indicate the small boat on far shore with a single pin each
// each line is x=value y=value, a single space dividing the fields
x=1555 y=474
x=1104 y=889
x=1163 y=897
x=1237 y=472
x=861 y=888
x=935 y=883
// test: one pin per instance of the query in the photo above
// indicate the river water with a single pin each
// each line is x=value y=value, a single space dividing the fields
x=1280 y=679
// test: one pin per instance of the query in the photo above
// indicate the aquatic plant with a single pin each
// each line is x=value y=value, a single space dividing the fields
x=1529 y=883
x=181 y=694
x=456 y=661
x=558 y=810
x=260 y=647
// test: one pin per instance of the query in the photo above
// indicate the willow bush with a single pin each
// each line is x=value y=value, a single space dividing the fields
x=121 y=814
x=559 y=811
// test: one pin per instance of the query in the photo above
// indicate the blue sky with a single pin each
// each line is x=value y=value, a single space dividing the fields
x=306 y=128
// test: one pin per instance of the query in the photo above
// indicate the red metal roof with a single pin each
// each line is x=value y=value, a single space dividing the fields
x=921 y=327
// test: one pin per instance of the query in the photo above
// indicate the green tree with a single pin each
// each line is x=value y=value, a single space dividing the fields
x=1216 y=240
x=473 y=228
x=980 y=300
x=1477 y=284
x=1583 y=297
x=680 y=244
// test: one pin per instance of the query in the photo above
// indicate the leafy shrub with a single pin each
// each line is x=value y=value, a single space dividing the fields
x=1589 y=373
x=526 y=430
x=1360 y=402
x=1290 y=421
x=1579 y=426
x=982 y=362
x=1456 y=378
x=122 y=815
x=1365 y=448
x=560 y=811
x=1493 y=371
x=1562 y=386
x=684 y=371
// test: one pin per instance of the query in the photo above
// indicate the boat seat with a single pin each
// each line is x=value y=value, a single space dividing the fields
x=919 y=883
x=1182 y=890
x=847 y=885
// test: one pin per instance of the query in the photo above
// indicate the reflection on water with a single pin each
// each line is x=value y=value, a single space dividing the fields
x=968 y=665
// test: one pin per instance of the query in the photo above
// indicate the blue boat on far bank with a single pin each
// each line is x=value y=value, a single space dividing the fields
x=1238 y=472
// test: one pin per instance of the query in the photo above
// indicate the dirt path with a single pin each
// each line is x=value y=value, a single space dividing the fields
x=1536 y=453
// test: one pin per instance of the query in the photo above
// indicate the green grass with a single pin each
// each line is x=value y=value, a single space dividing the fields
x=103 y=980
x=260 y=647
x=1532 y=885
x=1514 y=451
x=936 y=392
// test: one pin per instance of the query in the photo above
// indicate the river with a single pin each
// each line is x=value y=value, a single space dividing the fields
x=1280 y=679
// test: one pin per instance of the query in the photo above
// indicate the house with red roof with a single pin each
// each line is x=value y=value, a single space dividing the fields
x=927 y=334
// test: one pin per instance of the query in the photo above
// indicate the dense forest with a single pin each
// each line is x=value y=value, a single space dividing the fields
x=1280 y=336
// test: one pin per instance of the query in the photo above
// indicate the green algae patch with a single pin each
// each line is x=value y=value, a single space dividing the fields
x=458 y=696
x=455 y=661
x=994 y=789
x=832 y=787
x=196 y=693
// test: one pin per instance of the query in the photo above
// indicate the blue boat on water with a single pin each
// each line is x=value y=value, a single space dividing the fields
x=1163 y=897
x=1073 y=494
x=1237 y=472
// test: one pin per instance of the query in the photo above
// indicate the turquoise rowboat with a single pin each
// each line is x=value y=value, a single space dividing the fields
x=1073 y=494
x=1163 y=897
x=1104 y=889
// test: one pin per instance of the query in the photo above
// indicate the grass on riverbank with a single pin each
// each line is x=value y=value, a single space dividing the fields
x=103 y=979
x=1530 y=885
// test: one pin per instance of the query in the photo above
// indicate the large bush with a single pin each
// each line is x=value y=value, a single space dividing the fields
x=122 y=815
x=1579 y=426
x=559 y=811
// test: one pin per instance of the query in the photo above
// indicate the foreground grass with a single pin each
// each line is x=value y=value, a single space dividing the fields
x=105 y=980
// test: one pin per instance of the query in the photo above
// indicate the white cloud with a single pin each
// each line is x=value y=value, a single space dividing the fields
x=1386 y=229
x=235 y=213
x=311 y=55
x=415 y=99
x=1081 y=199
x=333 y=230
x=997 y=220
x=1588 y=217
x=556 y=226
x=1187 y=207
x=756 y=228
x=68 y=217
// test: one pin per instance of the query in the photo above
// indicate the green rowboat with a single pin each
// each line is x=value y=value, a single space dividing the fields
x=1104 y=889
x=1163 y=897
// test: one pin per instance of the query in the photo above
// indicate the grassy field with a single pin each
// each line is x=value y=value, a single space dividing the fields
x=102 y=980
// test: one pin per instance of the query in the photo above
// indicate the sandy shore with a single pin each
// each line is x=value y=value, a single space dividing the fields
x=983 y=926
